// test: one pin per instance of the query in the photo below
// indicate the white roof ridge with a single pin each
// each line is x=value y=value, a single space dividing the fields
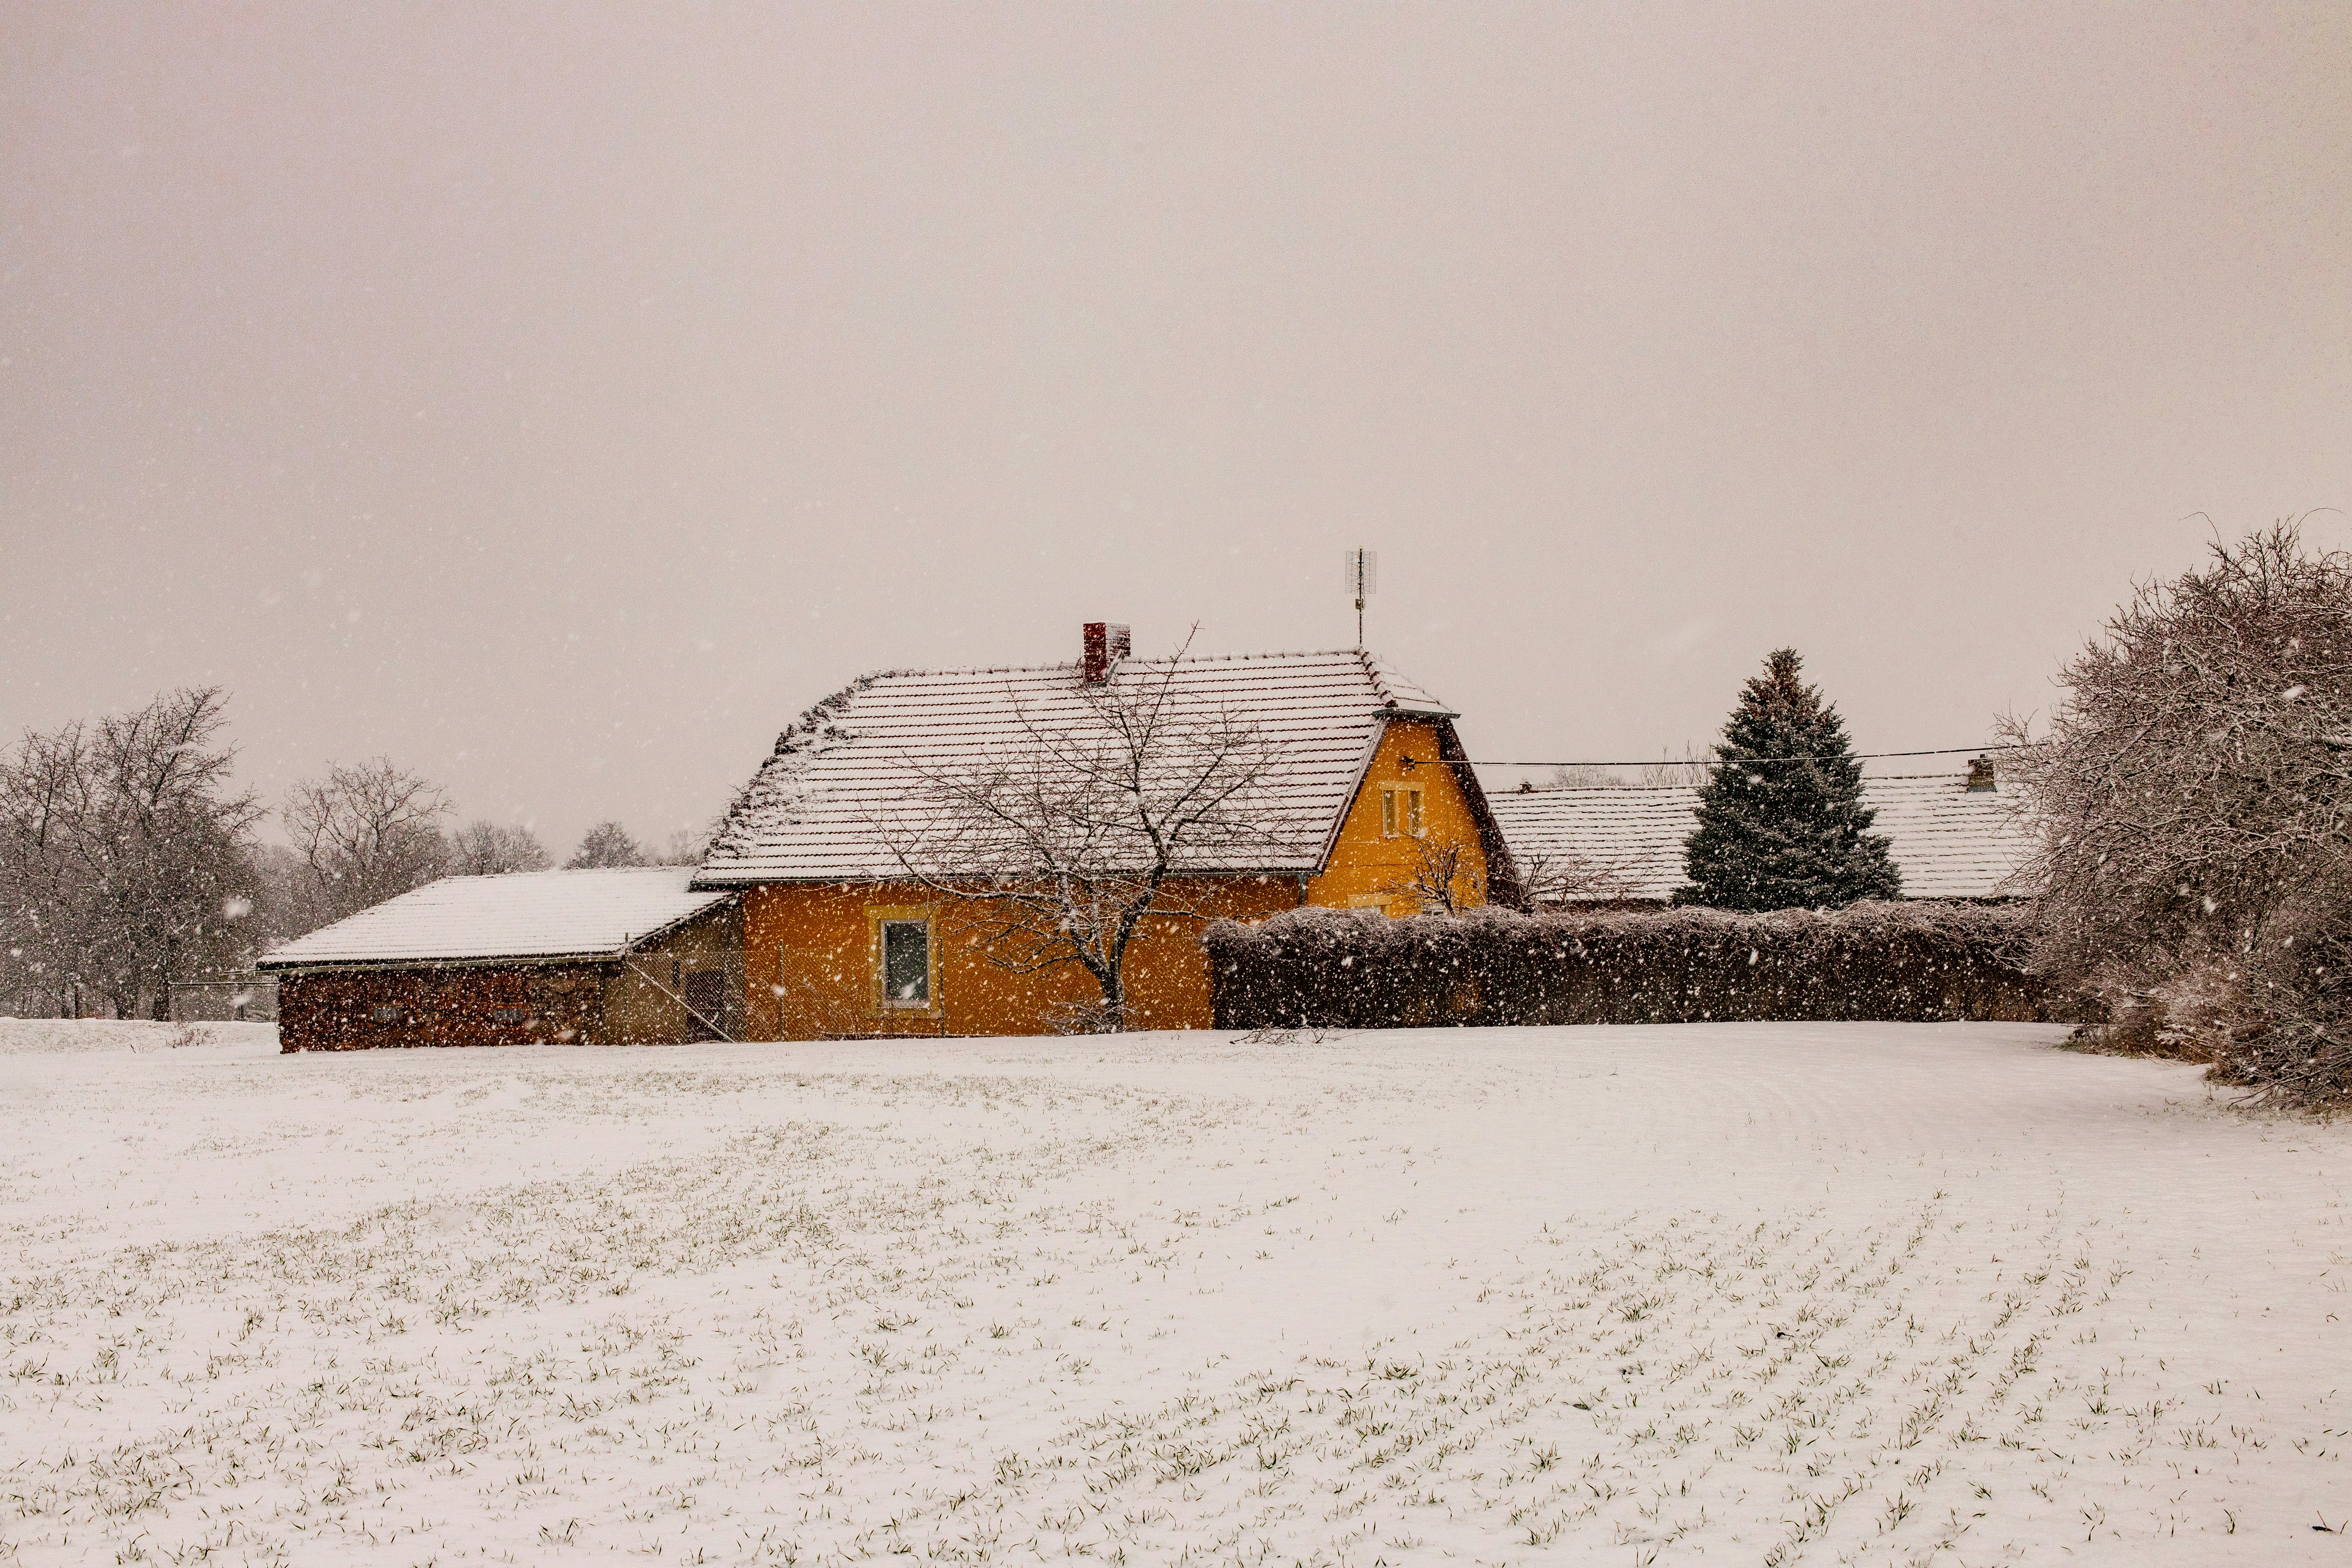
x=926 y=671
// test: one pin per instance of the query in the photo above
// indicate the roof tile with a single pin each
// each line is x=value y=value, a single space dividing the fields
x=815 y=810
x=1950 y=842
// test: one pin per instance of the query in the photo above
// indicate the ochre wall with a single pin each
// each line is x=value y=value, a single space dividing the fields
x=809 y=959
x=808 y=963
x=1365 y=864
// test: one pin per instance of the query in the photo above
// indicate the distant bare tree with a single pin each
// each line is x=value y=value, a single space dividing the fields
x=2193 y=799
x=1055 y=848
x=366 y=832
x=687 y=845
x=1690 y=769
x=124 y=852
x=606 y=843
x=486 y=849
x=1582 y=775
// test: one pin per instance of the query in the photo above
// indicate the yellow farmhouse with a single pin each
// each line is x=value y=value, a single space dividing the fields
x=839 y=939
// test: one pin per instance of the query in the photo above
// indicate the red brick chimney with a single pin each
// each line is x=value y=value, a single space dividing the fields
x=1105 y=645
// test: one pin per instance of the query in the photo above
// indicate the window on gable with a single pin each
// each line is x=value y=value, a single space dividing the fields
x=906 y=964
x=1401 y=811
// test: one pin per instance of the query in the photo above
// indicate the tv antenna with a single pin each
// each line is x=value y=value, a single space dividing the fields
x=1363 y=579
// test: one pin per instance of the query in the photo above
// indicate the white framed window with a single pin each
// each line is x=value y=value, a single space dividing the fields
x=905 y=960
x=1401 y=811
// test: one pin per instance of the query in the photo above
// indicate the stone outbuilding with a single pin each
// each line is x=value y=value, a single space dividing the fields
x=627 y=956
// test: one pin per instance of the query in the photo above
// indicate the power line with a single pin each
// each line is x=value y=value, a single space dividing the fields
x=1713 y=762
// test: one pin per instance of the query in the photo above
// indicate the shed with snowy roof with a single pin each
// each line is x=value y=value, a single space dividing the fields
x=843 y=934
x=1952 y=835
x=632 y=956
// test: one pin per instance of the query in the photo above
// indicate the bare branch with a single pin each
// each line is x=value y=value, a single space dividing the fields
x=1057 y=848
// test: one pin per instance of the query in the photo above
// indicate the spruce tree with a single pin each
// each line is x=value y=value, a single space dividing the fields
x=1780 y=819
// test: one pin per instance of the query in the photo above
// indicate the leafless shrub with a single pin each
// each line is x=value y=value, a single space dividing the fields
x=1085 y=1015
x=1269 y=1036
x=2192 y=798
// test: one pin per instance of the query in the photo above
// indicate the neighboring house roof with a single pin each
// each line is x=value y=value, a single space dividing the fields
x=1630 y=839
x=1950 y=842
x=534 y=915
x=819 y=809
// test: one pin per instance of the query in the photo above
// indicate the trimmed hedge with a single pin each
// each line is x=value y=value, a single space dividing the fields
x=1918 y=961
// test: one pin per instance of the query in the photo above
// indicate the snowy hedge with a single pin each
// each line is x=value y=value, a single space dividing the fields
x=1893 y=962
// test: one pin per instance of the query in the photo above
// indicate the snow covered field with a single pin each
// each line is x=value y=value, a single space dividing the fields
x=1746 y=1293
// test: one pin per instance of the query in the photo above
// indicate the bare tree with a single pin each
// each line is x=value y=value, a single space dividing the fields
x=49 y=882
x=1567 y=880
x=486 y=849
x=124 y=852
x=366 y=832
x=606 y=843
x=1444 y=878
x=1055 y=849
x=2192 y=795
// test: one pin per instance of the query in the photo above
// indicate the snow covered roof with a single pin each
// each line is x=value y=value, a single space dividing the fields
x=815 y=809
x=534 y=915
x=1950 y=842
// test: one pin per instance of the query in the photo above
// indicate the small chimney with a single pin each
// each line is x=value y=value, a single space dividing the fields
x=1979 y=774
x=1105 y=645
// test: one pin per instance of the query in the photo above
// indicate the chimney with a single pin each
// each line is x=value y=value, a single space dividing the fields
x=1105 y=645
x=1979 y=774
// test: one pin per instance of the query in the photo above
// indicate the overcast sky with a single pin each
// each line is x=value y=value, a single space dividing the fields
x=558 y=399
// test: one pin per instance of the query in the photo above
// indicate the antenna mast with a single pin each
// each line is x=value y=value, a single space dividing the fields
x=1363 y=580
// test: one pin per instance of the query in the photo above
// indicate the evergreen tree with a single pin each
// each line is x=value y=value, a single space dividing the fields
x=1781 y=820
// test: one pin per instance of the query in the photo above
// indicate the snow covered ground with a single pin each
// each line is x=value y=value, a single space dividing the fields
x=1744 y=1293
